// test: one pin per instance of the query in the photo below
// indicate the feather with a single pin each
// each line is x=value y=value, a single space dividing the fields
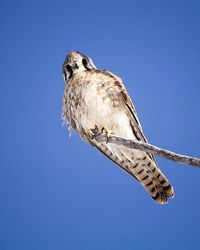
x=96 y=97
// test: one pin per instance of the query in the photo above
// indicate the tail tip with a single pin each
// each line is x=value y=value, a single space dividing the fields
x=162 y=198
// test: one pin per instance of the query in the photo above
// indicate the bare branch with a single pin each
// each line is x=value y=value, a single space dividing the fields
x=102 y=137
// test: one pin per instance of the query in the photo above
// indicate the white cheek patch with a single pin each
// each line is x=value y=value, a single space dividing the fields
x=91 y=62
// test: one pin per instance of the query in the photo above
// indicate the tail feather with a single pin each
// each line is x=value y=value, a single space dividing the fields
x=141 y=166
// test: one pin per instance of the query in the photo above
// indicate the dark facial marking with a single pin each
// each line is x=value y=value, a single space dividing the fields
x=86 y=63
x=69 y=69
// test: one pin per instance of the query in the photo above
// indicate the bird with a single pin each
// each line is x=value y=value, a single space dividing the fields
x=97 y=99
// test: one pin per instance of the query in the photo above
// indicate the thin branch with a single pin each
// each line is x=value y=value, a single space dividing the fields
x=102 y=137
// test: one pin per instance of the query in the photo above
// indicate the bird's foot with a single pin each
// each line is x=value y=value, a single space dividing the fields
x=107 y=132
x=100 y=135
x=95 y=132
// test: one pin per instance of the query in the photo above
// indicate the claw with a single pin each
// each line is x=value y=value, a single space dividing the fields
x=97 y=133
x=107 y=132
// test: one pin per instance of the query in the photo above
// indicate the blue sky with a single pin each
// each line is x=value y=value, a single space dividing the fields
x=58 y=192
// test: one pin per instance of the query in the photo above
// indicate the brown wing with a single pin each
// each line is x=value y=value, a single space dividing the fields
x=127 y=104
x=144 y=168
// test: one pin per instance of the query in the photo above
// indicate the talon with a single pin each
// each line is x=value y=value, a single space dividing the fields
x=95 y=131
x=107 y=132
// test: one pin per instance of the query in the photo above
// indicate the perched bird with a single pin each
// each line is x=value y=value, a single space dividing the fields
x=95 y=98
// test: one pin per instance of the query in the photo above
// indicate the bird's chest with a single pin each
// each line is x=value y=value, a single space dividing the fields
x=92 y=102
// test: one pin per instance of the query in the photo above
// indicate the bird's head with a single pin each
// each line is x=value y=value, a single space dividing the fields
x=76 y=62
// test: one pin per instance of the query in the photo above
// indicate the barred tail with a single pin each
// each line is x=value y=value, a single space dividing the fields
x=141 y=166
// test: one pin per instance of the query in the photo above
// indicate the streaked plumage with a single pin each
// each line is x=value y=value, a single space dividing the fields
x=96 y=97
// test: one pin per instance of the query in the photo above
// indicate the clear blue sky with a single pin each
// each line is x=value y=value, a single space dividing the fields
x=58 y=192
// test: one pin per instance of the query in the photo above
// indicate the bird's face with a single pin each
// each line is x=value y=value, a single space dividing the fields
x=76 y=62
